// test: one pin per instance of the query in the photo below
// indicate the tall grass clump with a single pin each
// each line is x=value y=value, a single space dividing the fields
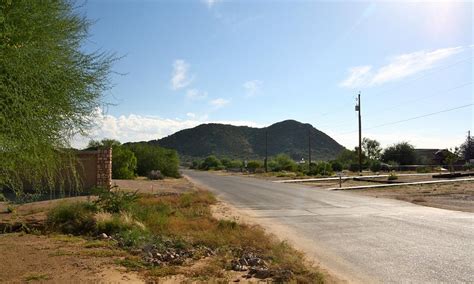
x=73 y=218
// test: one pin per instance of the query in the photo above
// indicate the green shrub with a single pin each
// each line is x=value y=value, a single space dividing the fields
x=375 y=166
x=423 y=169
x=354 y=167
x=153 y=157
x=115 y=201
x=283 y=162
x=336 y=166
x=392 y=176
x=320 y=168
x=211 y=163
x=73 y=218
x=254 y=164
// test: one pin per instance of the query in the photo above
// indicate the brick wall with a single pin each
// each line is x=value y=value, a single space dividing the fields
x=95 y=168
x=104 y=168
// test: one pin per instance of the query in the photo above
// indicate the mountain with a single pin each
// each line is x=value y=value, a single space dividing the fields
x=242 y=142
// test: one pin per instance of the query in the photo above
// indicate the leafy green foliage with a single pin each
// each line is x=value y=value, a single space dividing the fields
x=254 y=164
x=115 y=200
x=320 y=168
x=124 y=162
x=282 y=162
x=375 y=166
x=402 y=153
x=49 y=87
x=73 y=218
x=210 y=163
x=371 y=149
x=152 y=157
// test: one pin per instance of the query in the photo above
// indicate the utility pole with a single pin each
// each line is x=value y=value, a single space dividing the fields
x=309 y=148
x=357 y=108
x=468 y=158
x=266 y=151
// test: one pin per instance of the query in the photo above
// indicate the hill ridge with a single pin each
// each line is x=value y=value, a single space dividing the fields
x=244 y=142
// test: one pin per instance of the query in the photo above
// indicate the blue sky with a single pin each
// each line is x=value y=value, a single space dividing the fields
x=259 y=62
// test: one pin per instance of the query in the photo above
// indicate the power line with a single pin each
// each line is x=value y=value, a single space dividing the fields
x=412 y=118
x=340 y=123
x=399 y=85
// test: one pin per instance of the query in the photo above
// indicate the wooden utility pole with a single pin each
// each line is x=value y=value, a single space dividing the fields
x=309 y=148
x=468 y=146
x=357 y=108
x=266 y=151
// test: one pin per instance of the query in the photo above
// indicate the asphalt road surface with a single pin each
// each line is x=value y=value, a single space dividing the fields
x=359 y=238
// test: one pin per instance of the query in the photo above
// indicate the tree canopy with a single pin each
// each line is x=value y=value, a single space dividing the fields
x=402 y=153
x=49 y=88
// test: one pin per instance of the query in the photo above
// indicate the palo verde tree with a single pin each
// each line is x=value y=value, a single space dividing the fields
x=49 y=88
x=371 y=148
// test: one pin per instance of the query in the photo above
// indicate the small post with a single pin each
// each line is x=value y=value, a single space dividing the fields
x=340 y=181
x=266 y=151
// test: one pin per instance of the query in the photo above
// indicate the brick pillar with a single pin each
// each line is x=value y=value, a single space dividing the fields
x=104 y=168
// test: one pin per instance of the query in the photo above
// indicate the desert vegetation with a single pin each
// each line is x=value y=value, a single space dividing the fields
x=374 y=159
x=139 y=159
x=168 y=234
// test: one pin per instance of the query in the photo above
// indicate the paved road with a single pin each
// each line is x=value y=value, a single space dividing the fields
x=362 y=239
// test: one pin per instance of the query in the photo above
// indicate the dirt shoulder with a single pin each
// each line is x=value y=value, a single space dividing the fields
x=453 y=196
x=60 y=258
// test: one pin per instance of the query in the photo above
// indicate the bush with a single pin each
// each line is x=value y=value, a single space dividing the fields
x=423 y=169
x=73 y=218
x=153 y=157
x=283 y=162
x=320 y=168
x=375 y=166
x=115 y=201
x=211 y=163
x=155 y=175
x=392 y=176
x=254 y=164
x=124 y=163
x=336 y=166
x=354 y=167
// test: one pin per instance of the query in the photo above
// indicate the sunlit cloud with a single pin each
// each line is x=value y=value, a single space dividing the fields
x=180 y=77
x=219 y=103
x=252 y=88
x=195 y=94
x=210 y=3
x=399 y=67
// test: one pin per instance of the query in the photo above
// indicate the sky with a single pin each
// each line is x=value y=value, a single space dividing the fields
x=184 y=63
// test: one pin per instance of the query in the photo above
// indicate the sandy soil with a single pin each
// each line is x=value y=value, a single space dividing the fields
x=144 y=185
x=58 y=259
x=454 y=196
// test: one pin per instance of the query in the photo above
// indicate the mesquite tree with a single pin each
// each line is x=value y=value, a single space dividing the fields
x=49 y=89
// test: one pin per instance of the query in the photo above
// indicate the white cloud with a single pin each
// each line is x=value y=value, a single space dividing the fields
x=399 y=67
x=210 y=3
x=180 y=77
x=357 y=76
x=252 y=88
x=191 y=115
x=133 y=127
x=220 y=102
x=195 y=94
